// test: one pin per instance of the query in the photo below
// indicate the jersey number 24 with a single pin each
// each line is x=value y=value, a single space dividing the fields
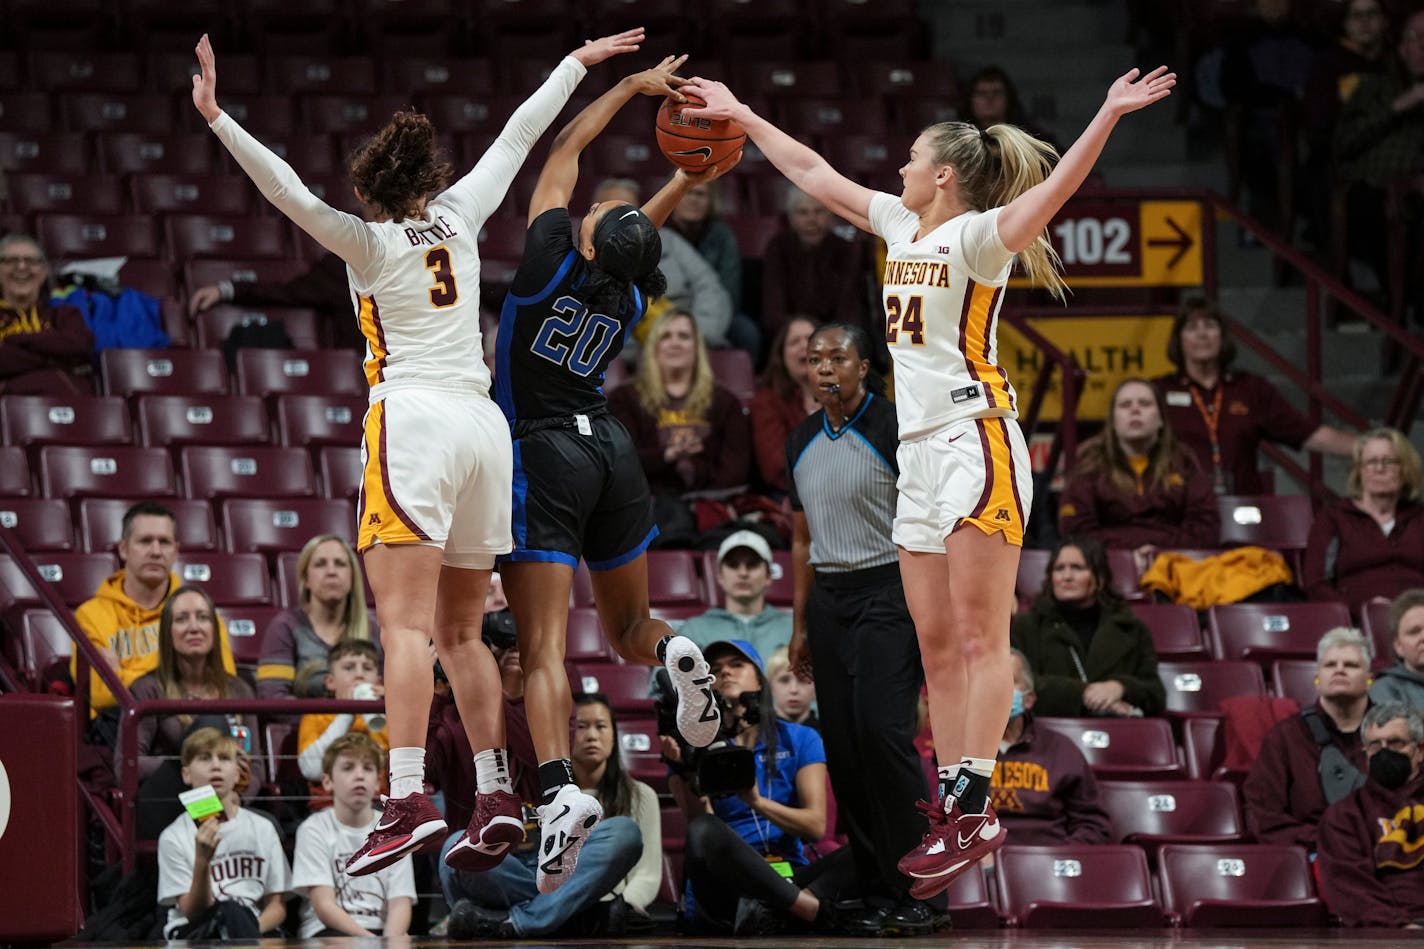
x=904 y=317
x=575 y=338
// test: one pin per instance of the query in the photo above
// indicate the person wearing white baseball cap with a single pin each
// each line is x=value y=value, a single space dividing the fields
x=745 y=573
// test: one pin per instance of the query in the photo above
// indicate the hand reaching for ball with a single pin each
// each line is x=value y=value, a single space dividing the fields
x=718 y=100
x=661 y=79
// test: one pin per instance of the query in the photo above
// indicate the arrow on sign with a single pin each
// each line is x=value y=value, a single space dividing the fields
x=1183 y=242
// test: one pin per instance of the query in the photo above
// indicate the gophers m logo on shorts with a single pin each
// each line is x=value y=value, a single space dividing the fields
x=1002 y=515
x=373 y=521
x=964 y=394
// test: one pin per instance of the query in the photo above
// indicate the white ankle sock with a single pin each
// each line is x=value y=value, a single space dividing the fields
x=407 y=771
x=492 y=772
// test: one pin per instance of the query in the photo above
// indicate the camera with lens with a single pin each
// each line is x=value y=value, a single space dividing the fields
x=497 y=630
x=724 y=768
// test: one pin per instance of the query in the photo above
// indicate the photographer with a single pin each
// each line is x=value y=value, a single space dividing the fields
x=745 y=862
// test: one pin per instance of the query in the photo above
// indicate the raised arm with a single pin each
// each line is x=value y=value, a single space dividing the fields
x=560 y=172
x=798 y=162
x=1025 y=217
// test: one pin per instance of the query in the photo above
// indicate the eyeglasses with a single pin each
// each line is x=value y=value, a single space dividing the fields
x=1379 y=462
x=1393 y=744
x=17 y=261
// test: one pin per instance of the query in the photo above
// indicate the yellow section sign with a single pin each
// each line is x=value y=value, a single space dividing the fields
x=1108 y=348
x=1172 y=243
x=1127 y=242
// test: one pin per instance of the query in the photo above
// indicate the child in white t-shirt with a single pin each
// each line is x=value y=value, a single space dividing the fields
x=336 y=904
x=226 y=876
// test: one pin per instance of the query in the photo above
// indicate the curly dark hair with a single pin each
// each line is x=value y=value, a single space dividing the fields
x=399 y=165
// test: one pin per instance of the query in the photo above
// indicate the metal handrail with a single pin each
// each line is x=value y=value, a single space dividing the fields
x=1065 y=436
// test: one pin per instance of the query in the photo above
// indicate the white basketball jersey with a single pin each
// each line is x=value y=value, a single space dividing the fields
x=942 y=295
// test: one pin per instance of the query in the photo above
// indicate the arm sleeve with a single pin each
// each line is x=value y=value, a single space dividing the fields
x=984 y=252
x=476 y=195
x=1347 y=872
x=343 y=234
x=1322 y=547
x=708 y=300
x=886 y=211
x=642 y=882
x=314 y=746
x=1088 y=823
x=769 y=438
x=100 y=697
x=1078 y=507
x=311 y=862
x=1281 y=421
x=277 y=665
x=66 y=338
x=1201 y=523
x=732 y=449
x=175 y=864
x=1266 y=795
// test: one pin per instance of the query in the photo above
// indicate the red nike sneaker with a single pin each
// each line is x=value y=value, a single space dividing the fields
x=407 y=824
x=955 y=842
x=496 y=825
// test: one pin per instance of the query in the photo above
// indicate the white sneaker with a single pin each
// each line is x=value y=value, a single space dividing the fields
x=564 y=826
x=698 y=716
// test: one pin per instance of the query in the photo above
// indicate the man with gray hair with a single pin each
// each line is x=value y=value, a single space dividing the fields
x=1309 y=761
x=1372 y=840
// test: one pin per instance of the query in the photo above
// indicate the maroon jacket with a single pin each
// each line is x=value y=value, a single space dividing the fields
x=450 y=763
x=1045 y=793
x=41 y=347
x=324 y=288
x=1372 y=855
x=725 y=461
x=773 y=418
x=1350 y=560
x=1182 y=514
x=1283 y=797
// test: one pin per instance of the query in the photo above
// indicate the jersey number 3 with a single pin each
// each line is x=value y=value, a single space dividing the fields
x=904 y=317
x=575 y=338
x=444 y=293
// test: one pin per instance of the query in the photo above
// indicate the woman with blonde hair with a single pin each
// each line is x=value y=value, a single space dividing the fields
x=973 y=203
x=1369 y=546
x=692 y=434
x=331 y=607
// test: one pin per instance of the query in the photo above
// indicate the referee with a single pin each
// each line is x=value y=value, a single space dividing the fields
x=849 y=611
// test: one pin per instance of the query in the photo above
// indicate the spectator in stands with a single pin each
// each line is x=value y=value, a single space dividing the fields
x=744 y=566
x=793 y=697
x=122 y=618
x=1086 y=650
x=1370 y=544
x=1309 y=761
x=355 y=674
x=1135 y=485
x=45 y=348
x=808 y=268
x=1223 y=414
x=697 y=220
x=223 y=878
x=1371 y=849
x=785 y=396
x=1403 y=682
x=745 y=862
x=335 y=904
x=1380 y=137
x=992 y=98
x=331 y=608
x=189 y=667
x=322 y=287
x=1043 y=789
x=692 y=434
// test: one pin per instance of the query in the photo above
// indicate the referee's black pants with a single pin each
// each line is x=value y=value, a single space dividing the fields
x=868 y=681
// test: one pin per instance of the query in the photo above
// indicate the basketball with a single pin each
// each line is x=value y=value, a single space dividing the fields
x=696 y=142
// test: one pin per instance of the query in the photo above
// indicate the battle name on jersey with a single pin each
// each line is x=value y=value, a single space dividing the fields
x=435 y=234
x=929 y=273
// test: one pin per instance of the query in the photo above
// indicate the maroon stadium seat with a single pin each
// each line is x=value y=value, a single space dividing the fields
x=503 y=237
x=1280 y=522
x=340 y=470
x=1077 y=887
x=156 y=278
x=101 y=524
x=1294 y=679
x=173 y=421
x=423 y=76
x=303 y=326
x=315 y=421
x=1238 y=885
x=1262 y=632
x=41 y=524
x=230 y=579
x=673 y=579
x=800 y=79
x=1152 y=813
x=269 y=526
x=32 y=111
x=586 y=642
x=347 y=75
x=625 y=686
x=214 y=472
x=40 y=193
x=1374 y=620
x=827 y=116
x=44 y=648
x=280 y=746
x=75 y=576
x=109 y=471
x=14 y=473
x=192 y=194
x=97 y=235
x=754 y=230
x=892 y=79
x=60 y=153
x=145 y=113
x=266 y=117
x=246 y=627
x=1203 y=750
x=734 y=371
x=208 y=235
x=85 y=71
x=642 y=754
x=349 y=113
x=458 y=112
x=267 y=372
x=127 y=153
x=202 y=273
x=31 y=420
x=1176 y=634
x=1136 y=749
x=170 y=71
x=130 y=372
x=969 y=903
x=1198 y=688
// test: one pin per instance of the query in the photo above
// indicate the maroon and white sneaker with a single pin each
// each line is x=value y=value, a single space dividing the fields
x=955 y=842
x=407 y=825
x=496 y=825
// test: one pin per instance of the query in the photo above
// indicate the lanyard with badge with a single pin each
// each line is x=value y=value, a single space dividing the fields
x=1212 y=418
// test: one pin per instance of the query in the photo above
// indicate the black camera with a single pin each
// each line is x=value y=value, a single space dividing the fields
x=724 y=768
x=497 y=630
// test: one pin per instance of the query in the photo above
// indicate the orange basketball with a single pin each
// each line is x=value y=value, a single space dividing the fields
x=695 y=142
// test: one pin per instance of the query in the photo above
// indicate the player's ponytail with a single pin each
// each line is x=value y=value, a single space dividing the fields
x=400 y=165
x=994 y=167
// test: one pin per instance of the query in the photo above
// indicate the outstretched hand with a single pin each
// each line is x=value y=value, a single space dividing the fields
x=1130 y=93
x=593 y=52
x=694 y=178
x=719 y=99
x=205 y=84
x=660 y=80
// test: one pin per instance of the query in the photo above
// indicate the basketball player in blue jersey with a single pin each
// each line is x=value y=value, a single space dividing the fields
x=434 y=503
x=579 y=489
x=972 y=202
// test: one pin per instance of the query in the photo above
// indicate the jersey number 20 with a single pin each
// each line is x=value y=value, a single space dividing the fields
x=904 y=317
x=444 y=293
x=583 y=338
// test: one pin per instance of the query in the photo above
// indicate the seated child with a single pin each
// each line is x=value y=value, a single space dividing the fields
x=225 y=877
x=337 y=905
x=352 y=663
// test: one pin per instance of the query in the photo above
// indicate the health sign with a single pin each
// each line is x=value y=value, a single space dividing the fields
x=1128 y=242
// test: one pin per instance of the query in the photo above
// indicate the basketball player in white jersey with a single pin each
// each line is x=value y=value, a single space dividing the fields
x=434 y=507
x=972 y=202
